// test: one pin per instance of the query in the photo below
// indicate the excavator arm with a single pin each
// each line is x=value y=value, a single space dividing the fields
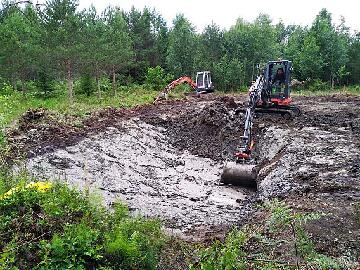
x=173 y=84
x=255 y=96
x=243 y=171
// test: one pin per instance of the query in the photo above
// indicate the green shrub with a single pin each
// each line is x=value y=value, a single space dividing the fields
x=45 y=85
x=228 y=255
x=79 y=246
x=51 y=226
x=134 y=243
x=156 y=78
x=318 y=85
x=87 y=85
x=6 y=89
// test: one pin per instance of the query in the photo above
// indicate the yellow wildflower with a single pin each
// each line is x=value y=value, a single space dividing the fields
x=39 y=186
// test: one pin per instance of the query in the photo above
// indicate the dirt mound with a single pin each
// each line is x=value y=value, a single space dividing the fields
x=39 y=131
x=212 y=131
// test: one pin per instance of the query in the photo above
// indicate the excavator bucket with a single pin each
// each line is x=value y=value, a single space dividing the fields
x=239 y=174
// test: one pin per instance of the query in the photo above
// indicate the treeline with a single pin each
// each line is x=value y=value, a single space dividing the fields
x=57 y=41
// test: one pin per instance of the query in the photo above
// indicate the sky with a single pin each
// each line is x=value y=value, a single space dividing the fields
x=225 y=12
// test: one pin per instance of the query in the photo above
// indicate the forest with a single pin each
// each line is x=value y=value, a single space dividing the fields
x=55 y=41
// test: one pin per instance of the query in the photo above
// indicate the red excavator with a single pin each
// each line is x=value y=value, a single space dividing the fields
x=270 y=93
x=203 y=84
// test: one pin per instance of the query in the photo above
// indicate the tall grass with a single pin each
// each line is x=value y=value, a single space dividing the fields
x=14 y=104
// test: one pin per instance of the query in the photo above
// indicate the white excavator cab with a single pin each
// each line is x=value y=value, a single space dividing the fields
x=204 y=82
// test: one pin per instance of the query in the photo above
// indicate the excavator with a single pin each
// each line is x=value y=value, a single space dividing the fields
x=202 y=84
x=269 y=93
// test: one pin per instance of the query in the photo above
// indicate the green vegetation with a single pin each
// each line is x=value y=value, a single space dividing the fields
x=47 y=225
x=51 y=226
x=60 y=41
x=319 y=88
x=15 y=103
x=255 y=246
x=156 y=78
x=74 y=62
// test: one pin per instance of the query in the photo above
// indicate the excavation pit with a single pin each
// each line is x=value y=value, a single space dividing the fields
x=135 y=163
x=165 y=161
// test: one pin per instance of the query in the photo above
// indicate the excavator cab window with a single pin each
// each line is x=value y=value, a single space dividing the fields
x=200 y=80
x=207 y=81
x=203 y=81
x=277 y=78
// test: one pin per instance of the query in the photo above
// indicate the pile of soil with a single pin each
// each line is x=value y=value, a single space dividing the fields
x=212 y=131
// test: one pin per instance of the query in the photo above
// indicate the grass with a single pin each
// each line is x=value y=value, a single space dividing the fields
x=47 y=225
x=15 y=104
x=279 y=241
x=350 y=90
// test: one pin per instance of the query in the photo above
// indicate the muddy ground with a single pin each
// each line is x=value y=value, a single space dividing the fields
x=165 y=161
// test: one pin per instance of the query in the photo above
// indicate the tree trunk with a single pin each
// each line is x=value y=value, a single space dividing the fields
x=332 y=81
x=114 y=81
x=253 y=72
x=98 y=86
x=70 y=82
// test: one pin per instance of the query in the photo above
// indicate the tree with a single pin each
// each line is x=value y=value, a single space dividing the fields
x=252 y=44
x=63 y=25
x=354 y=63
x=117 y=49
x=227 y=73
x=308 y=60
x=333 y=45
x=148 y=32
x=180 y=53
x=93 y=58
x=19 y=50
x=209 y=48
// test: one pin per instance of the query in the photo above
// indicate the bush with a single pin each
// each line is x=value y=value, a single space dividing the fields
x=156 y=79
x=255 y=246
x=228 y=255
x=6 y=89
x=51 y=226
x=133 y=243
x=87 y=85
x=78 y=246
x=45 y=85
x=229 y=74
x=318 y=85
